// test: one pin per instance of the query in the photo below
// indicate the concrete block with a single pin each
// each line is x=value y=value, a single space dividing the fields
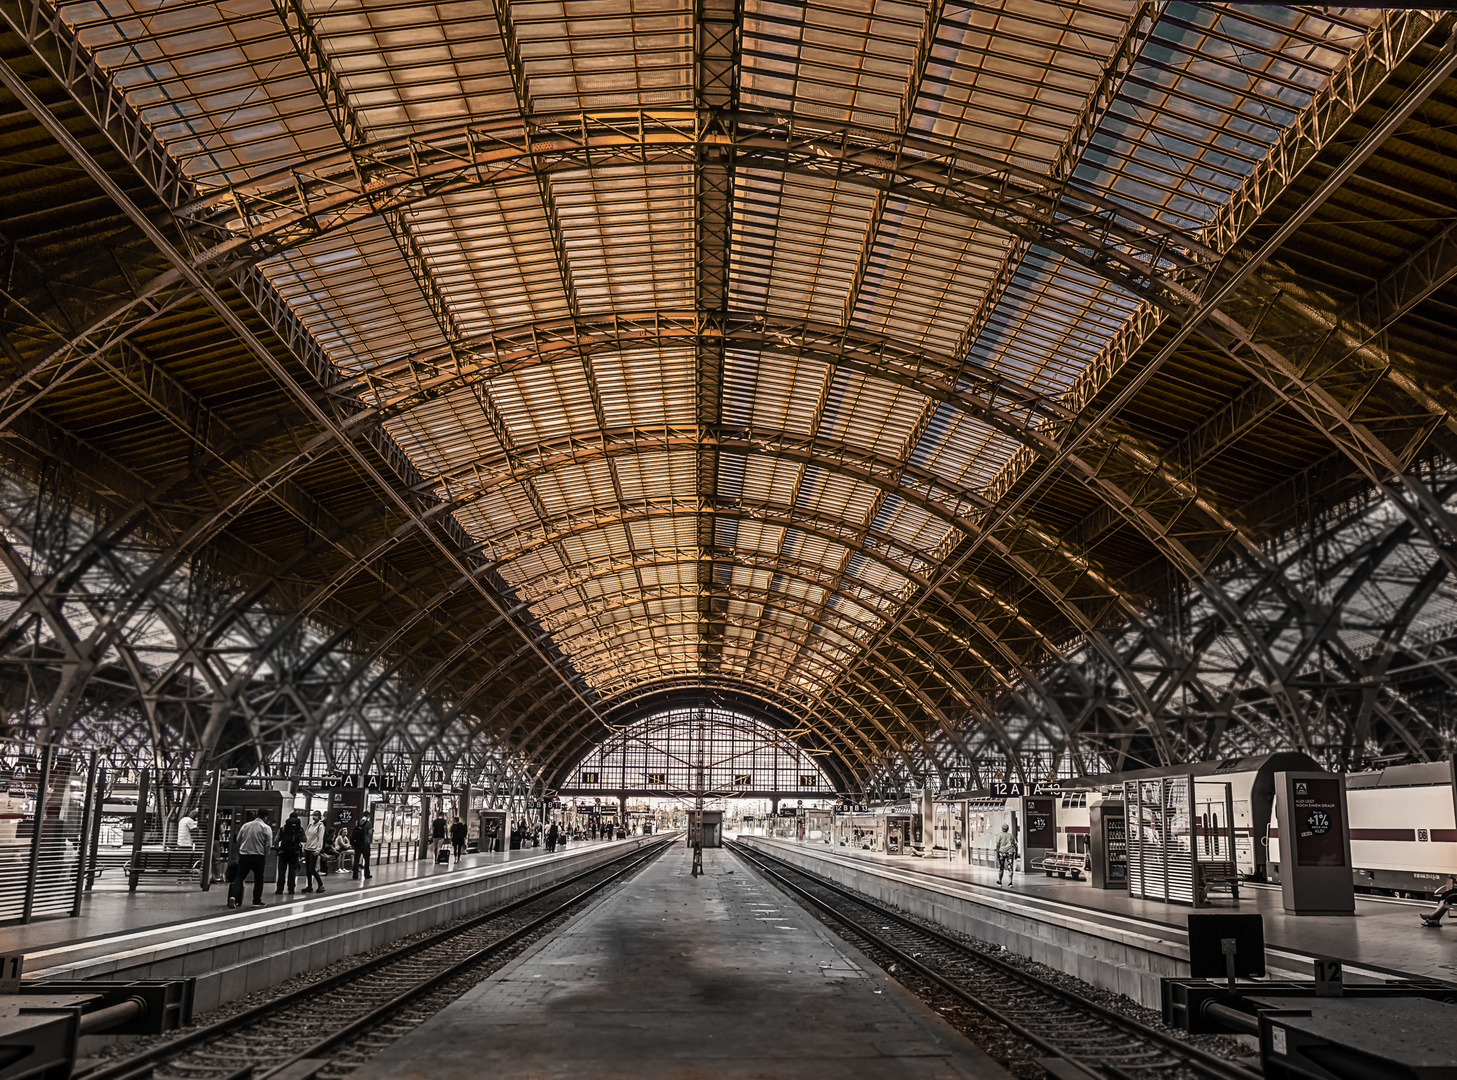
x=205 y=993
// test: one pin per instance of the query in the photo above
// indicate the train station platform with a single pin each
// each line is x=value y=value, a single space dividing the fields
x=232 y=953
x=1114 y=941
x=669 y=977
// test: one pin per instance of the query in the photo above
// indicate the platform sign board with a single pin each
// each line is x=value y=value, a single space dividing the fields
x=1012 y=789
x=12 y=967
x=1318 y=825
x=1039 y=830
x=345 y=808
x=1207 y=934
x=1315 y=844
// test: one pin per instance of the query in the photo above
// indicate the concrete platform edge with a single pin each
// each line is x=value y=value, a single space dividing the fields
x=254 y=951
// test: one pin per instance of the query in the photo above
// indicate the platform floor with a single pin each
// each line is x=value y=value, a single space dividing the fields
x=106 y=915
x=1384 y=937
x=672 y=977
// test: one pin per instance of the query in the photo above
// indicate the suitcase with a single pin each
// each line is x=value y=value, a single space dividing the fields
x=442 y=857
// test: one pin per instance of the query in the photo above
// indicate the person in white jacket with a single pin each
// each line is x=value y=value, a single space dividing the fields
x=313 y=852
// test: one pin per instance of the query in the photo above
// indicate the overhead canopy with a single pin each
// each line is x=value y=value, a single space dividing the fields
x=852 y=361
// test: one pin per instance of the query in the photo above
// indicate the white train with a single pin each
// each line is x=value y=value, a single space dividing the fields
x=1073 y=835
x=1403 y=823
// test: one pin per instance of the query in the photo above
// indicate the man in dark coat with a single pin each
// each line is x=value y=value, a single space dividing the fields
x=290 y=851
x=361 y=840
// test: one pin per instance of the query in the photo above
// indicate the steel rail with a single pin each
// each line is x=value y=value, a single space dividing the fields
x=1198 y=1060
x=141 y=1065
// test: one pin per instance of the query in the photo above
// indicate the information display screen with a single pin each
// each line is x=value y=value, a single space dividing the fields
x=1041 y=823
x=1320 y=837
x=345 y=808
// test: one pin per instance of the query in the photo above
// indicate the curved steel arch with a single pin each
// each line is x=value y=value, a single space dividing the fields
x=875 y=471
x=938 y=378
x=798 y=569
x=954 y=683
x=832 y=735
x=774 y=633
x=970 y=619
x=811 y=523
x=570 y=734
x=467 y=699
x=300 y=202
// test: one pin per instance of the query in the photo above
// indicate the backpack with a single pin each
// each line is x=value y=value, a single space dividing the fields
x=291 y=839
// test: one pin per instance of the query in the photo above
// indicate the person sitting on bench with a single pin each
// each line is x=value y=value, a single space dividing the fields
x=1446 y=897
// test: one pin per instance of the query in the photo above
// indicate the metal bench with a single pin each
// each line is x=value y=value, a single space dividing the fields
x=107 y=860
x=1064 y=863
x=185 y=864
x=1217 y=874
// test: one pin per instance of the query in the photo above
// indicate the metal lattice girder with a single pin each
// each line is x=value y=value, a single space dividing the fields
x=1345 y=688
x=717 y=29
x=1240 y=287
x=253 y=221
x=1036 y=556
x=259 y=350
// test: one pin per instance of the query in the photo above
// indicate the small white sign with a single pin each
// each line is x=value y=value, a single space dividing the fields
x=1277 y=1040
x=12 y=966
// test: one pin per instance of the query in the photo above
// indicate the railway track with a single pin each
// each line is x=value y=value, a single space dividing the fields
x=1062 y=1024
x=327 y=1028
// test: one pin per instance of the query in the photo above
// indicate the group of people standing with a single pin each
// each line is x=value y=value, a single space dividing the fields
x=309 y=845
x=295 y=843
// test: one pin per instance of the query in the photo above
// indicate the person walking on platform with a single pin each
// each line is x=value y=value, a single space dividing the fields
x=1006 y=854
x=551 y=835
x=290 y=850
x=313 y=852
x=361 y=840
x=457 y=838
x=254 y=840
x=1446 y=898
x=437 y=834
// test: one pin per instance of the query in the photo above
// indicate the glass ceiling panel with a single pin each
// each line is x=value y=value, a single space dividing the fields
x=1209 y=91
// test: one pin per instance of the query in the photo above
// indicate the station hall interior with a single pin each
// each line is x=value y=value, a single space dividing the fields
x=715 y=539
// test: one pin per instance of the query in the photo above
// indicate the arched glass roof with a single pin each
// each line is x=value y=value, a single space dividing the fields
x=863 y=363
